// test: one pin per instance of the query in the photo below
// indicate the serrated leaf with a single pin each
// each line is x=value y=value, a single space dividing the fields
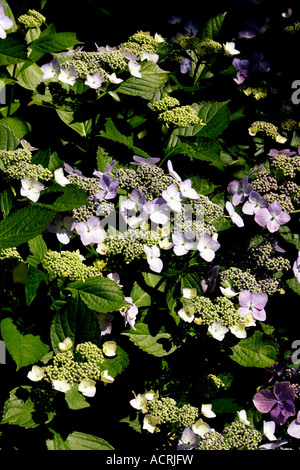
x=38 y=248
x=158 y=345
x=77 y=322
x=54 y=42
x=212 y=27
x=69 y=197
x=24 y=349
x=75 y=399
x=77 y=441
x=111 y=133
x=99 y=294
x=294 y=284
x=115 y=365
x=8 y=139
x=254 y=352
x=23 y=225
x=18 y=412
x=12 y=50
x=82 y=441
x=17 y=125
x=153 y=78
x=35 y=277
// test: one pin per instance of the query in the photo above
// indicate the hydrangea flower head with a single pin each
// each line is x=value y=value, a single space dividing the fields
x=279 y=402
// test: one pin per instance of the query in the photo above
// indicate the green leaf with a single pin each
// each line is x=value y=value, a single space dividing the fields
x=294 y=284
x=17 y=125
x=38 y=248
x=115 y=365
x=54 y=42
x=153 y=78
x=139 y=296
x=83 y=128
x=77 y=441
x=23 y=225
x=82 y=441
x=203 y=149
x=77 y=322
x=158 y=345
x=12 y=50
x=212 y=27
x=214 y=115
x=112 y=133
x=8 y=139
x=28 y=77
x=6 y=201
x=71 y=197
x=24 y=349
x=254 y=352
x=35 y=277
x=75 y=399
x=99 y=294
x=17 y=411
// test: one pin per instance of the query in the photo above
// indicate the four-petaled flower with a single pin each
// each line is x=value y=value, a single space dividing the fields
x=90 y=231
x=296 y=267
x=68 y=75
x=62 y=227
x=94 y=80
x=153 y=258
x=235 y=217
x=188 y=440
x=254 y=202
x=5 y=23
x=51 y=69
x=207 y=247
x=183 y=242
x=31 y=188
x=173 y=197
x=294 y=427
x=239 y=190
x=185 y=65
x=272 y=217
x=254 y=303
x=108 y=187
x=279 y=402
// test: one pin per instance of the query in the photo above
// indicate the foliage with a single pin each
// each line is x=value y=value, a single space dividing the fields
x=149 y=235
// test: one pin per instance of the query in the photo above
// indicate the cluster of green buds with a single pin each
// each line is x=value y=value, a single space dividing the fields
x=267 y=129
x=258 y=93
x=238 y=435
x=202 y=47
x=17 y=164
x=81 y=366
x=130 y=244
x=166 y=411
x=69 y=264
x=180 y=116
x=32 y=19
x=10 y=254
